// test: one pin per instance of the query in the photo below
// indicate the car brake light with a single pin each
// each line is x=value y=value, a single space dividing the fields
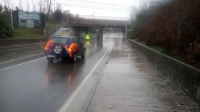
x=48 y=45
x=67 y=48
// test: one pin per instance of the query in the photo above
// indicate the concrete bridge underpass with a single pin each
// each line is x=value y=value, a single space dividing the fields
x=96 y=25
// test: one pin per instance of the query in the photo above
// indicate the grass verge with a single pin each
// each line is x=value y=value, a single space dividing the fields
x=31 y=33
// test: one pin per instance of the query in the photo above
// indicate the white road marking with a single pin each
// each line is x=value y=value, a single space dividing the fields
x=22 y=58
x=20 y=64
x=73 y=95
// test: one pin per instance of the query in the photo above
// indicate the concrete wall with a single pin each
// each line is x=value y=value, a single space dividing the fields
x=124 y=32
x=53 y=31
x=185 y=76
x=98 y=22
x=82 y=31
x=63 y=32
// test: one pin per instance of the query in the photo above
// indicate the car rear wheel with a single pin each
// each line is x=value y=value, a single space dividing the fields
x=58 y=48
x=83 y=54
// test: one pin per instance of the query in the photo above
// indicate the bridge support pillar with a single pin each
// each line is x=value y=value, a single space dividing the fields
x=75 y=31
x=124 y=33
x=100 y=36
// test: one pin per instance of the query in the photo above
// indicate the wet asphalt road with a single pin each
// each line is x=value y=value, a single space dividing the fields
x=34 y=85
x=12 y=54
x=122 y=82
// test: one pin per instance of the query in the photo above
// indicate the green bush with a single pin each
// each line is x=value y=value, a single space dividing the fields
x=174 y=26
x=5 y=28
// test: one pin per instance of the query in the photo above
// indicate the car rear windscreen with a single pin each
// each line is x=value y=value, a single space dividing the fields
x=58 y=40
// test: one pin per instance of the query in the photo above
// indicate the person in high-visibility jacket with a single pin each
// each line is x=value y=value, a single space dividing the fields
x=87 y=38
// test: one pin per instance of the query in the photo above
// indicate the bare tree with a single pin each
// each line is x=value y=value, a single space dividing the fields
x=58 y=7
x=34 y=6
x=7 y=3
x=12 y=6
x=20 y=5
x=134 y=11
x=41 y=6
x=27 y=4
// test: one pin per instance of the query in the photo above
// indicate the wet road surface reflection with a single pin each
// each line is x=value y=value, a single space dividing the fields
x=38 y=86
x=56 y=72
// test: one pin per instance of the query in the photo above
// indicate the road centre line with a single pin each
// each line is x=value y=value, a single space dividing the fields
x=20 y=64
x=74 y=94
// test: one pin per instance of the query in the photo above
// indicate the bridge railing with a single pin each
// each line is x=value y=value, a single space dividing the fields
x=101 y=17
x=97 y=20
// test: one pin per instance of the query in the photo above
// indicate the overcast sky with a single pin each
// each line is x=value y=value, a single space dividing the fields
x=113 y=8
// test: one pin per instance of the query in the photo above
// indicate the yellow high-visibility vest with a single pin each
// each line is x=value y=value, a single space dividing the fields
x=87 y=37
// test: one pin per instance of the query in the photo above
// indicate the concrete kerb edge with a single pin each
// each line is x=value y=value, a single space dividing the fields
x=92 y=92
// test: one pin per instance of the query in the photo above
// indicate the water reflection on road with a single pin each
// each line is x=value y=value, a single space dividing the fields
x=38 y=86
x=56 y=72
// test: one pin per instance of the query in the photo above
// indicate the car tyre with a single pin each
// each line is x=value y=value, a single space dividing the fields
x=83 y=54
x=58 y=49
x=74 y=58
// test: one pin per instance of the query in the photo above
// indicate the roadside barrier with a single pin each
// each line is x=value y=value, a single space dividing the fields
x=185 y=76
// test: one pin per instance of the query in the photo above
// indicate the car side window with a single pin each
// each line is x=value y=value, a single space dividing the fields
x=73 y=40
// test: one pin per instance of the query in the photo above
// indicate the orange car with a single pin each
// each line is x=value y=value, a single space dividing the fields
x=64 y=47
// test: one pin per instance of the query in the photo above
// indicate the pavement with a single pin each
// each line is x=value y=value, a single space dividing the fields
x=130 y=84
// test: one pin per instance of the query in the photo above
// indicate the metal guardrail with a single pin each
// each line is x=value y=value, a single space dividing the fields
x=185 y=76
x=102 y=17
x=53 y=31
